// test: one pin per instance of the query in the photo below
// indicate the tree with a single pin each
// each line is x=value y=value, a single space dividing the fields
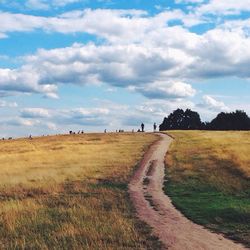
x=237 y=120
x=181 y=120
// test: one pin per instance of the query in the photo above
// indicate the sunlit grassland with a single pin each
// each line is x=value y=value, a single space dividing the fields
x=208 y=179
x=70 y=192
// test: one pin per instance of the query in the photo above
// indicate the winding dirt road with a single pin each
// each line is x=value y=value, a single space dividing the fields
x=155 y=208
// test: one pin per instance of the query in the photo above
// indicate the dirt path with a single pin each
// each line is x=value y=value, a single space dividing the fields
x=155 y=208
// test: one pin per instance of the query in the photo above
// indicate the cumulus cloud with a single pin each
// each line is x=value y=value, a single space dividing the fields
x=140 y=52
x=238 y=26
x=152 y=67
x=165 y=90
x=145 y=69
x=210 y=103
x=161 y=66
x=222 y=53
x=224 y=7
x=117 y=65
x=116 y=26
x=24 y=80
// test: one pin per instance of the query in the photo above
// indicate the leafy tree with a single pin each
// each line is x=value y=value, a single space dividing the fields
x=237 y=120
x=181 y=120
x=185 y=120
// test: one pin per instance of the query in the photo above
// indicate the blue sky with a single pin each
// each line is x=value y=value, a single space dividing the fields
x=109 y=64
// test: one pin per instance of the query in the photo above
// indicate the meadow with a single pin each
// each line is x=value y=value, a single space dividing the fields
x=208 y=179
x=70 y=192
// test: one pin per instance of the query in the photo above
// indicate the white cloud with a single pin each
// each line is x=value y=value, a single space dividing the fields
x=212 y=104
x=117 y=25
x=221 y=53
x=141 y=52
x=152 y=67
x=165 y=90
x=23 y=80
x=161 y=108
x=19 y=22
x=224 y=7
x=241 y=27
x=161 y=66
x=146 y=70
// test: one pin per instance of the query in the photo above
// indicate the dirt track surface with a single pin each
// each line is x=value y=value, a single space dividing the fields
x=155 y=208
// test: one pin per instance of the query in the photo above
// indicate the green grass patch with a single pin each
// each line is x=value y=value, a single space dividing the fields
x=210 y=187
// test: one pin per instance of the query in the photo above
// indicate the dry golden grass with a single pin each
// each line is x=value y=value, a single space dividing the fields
x=203 y=149
x=70 y=192
x=209 y=179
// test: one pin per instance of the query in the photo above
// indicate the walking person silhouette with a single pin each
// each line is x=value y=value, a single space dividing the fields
x=155 y=127
x=142 y=127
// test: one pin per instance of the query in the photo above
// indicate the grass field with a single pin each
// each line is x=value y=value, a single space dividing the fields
x=70 y=192
x=208 y=179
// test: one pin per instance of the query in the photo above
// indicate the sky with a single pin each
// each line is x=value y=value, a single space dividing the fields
x=112 y=64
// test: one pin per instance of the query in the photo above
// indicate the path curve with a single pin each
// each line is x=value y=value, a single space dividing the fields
x=155 y=208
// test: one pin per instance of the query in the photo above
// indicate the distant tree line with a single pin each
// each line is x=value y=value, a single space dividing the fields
x=190 y=120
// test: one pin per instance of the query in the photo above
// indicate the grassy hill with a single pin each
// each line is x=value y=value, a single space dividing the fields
x=70 y=192
x=208 y=179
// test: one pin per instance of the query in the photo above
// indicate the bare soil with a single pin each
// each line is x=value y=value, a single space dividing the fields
x=155 y=208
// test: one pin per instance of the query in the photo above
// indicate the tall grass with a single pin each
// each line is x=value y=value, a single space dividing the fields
x=70 y=192
x=208 y=179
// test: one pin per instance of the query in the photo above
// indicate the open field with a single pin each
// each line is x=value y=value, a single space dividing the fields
x=70 y=192
x=208 y=179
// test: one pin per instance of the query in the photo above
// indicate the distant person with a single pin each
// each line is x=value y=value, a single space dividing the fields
x=155 y=127
x=105 y=131
x=142 y=127
x=30 y=137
